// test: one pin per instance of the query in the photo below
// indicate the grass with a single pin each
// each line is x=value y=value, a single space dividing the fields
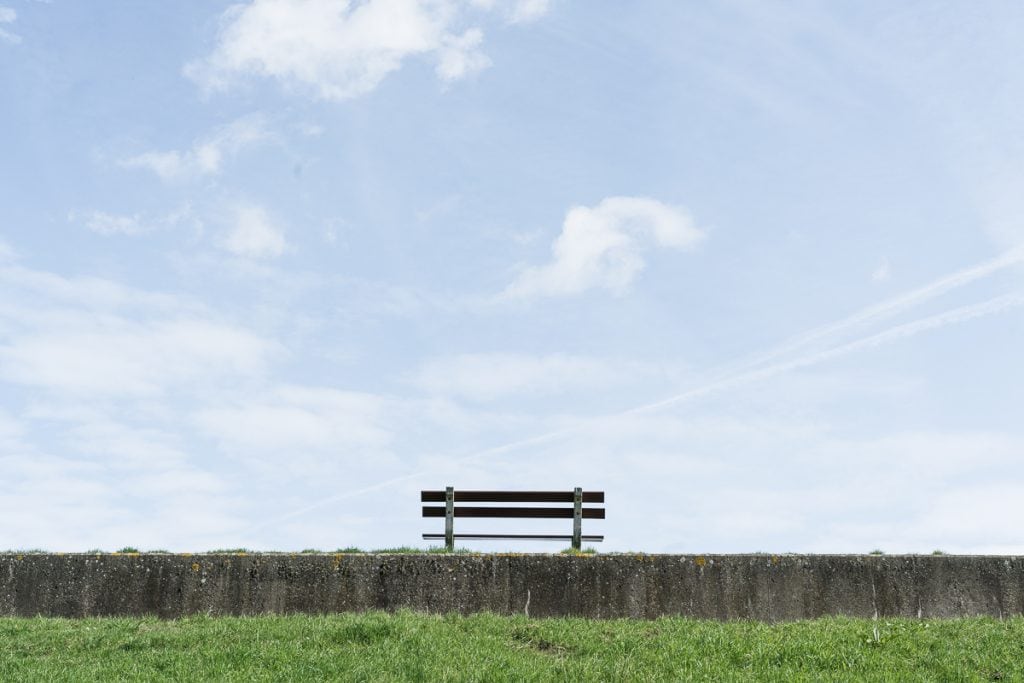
x=408 y=646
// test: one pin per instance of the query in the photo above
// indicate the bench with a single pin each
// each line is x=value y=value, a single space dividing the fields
x=575 y=511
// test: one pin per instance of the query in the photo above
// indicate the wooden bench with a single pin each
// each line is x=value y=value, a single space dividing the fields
x=575 y=511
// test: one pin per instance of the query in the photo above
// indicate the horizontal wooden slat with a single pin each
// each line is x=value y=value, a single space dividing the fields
x=537 y=537
x=511 y=496
x=520 y=512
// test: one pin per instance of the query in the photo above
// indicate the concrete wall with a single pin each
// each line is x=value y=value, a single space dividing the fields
x=766 y=587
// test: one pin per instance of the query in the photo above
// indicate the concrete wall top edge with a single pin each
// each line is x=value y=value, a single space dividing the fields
x=327 y=553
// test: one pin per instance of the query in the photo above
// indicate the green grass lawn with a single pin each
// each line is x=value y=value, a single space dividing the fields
x=407 y=646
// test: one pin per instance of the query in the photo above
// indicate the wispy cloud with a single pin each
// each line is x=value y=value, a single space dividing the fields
x=460 y=56
x=882 y=272
x=8 y=16
x=7 y=252
x=524 y=11
x=253 y=234
x=108 y=224
x=488 y=376
x=306 y=429
x=101 y=367
x=111 y=224
x=93 y=338
x=206 y=156
x=120 y=357
x=602 y=246
x=337 y=49
x=516 y=11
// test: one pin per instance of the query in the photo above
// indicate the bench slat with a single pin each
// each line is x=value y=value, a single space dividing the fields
x=536 y=537
x=511 y=496
x=519 y=513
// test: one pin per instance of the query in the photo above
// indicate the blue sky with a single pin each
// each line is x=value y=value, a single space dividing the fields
x=268 y=269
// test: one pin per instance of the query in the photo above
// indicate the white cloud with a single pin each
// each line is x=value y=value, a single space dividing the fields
x=460 y=56
x=336 y=49
x=87 y=336
x=206 y=156
x=602 y=246
x=10 y=433
x=487 y=376
x=105 y=373
x=297 y=431
x=882 y=273
x=109 y=224
x=516 y=11
x=30 y=293
x=115 y=356
x=529 y=10
x=300 y=418
x=112 y=224
x=254 y=235
x=8 y=16
x=6 y=252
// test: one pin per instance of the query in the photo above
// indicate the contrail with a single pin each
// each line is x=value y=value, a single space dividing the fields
x=873 y=313
x=888 y=308
x=495 y=450
x=952 y=316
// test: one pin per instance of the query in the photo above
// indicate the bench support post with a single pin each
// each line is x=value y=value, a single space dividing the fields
x=449 y=518
x=577 y=519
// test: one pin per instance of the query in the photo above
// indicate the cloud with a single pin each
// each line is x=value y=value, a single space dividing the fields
x=254 y=235
x=459 y=56
x=90 y=337
x=336 y=49
x=602 y=246
x=295 y=417
x=10 y=433
x=516 y=11
x=487 y=376
x=529 y=10
x=206 y=156
x=115 y=356
x=303 y=431
x=109 y=224
x=8 y=16
x=26 y=293
x=99 y=497
x=883 y=272
x=7 y=252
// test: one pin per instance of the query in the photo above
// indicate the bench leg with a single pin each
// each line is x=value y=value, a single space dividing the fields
x=449 y=518
x=577 y=519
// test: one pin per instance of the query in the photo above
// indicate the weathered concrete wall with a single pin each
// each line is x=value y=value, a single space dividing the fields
x=765 y=587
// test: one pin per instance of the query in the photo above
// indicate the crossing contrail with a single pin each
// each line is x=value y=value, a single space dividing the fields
x=759 y=367
x=886 y=309
x=949 y=317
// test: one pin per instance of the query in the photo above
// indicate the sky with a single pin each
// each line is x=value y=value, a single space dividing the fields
x=754 y=269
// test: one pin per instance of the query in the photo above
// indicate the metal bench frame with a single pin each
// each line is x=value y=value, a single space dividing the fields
x=450 y=511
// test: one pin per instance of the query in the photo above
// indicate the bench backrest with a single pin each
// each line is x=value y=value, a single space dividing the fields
x=575 y=511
